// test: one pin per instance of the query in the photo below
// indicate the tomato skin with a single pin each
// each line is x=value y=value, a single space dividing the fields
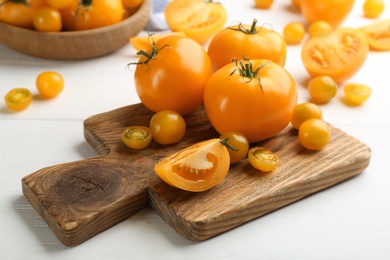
x=373 y=8
x=322 y=89
x=294 y=32
x=196 y=168
x=99 y=14
x=339 y=54
x=167 y=127
x=175 y=78
x=59 y=4
x=332 y=11
x=198 y=19
x=263 y=4
x=235 y=103
x=18 y=99
x=231 y=43
x=240 y=144
x=319 y=28
x=303 y=112
x=49 y=84
x=263 y=159
x=314 y=134
x=47 y=19
x=18 y=14
x=136 y=137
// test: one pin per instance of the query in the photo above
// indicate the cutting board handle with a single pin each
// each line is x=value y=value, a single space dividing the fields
x=81 y=199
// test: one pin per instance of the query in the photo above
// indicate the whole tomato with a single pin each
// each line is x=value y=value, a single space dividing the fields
x=339 y=54
x=250 y=41
x=20 y=13
x=90 y=14
x=253 y=97
x=172 y=74
x=332 y=11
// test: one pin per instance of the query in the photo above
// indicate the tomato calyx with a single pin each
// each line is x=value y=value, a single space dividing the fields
x=149 y=56
x=242 y=29
x=23 y=2
x=225 y=143
x=246 y=70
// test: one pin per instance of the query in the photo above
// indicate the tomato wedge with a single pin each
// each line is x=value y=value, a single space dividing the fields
x=339 y=54
x=196 y=168
x=199 y=19
x=378 y=34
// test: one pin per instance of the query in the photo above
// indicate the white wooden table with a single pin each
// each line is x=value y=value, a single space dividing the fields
x=347 y=221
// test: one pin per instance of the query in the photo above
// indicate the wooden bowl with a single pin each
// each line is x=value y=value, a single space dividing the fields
x=75 y=45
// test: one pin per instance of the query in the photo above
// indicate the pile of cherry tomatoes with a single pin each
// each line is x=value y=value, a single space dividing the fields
x=65 y=15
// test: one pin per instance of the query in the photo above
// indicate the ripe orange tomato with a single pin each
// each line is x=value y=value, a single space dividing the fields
x=339 y=54
x=293 y=33
x=314 y=134
x=167 y=127
x=378 y=35
x=172 y=75
x=59 y=4
x=95 y=14
x=303 y=112
x=19 y=13
x=239 y=144
x=332 y=11
x=49 y=84
x=195 y=168
x=198 y=19
x=263 y=4
x=255 y=98
x=250 y=41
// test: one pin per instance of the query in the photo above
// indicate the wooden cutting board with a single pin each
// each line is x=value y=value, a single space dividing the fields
x=81 y=199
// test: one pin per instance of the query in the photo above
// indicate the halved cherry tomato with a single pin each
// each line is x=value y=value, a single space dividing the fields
x=49 y=84
x=18 y=99
x=90 y=14
x=20 y=12
x=136 y=137
x=47 y=19
x=339 y=54
x=356 y=94
x=253 y=97
x=249 y=41
x=199 y=19
x=378 y=35
x=332 y=11
x=144 y=42
x=167 y=127
x=263 y=159
x=303 y=112
x=172 y=75
x=314 y=134
x=195 y=168
x=239 y=145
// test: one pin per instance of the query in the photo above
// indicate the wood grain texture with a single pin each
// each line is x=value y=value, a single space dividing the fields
x=80 y=199
x=75 y=45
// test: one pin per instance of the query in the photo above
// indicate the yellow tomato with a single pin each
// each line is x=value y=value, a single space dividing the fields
x=378 y=35
x=18 y=99
x=263 y=159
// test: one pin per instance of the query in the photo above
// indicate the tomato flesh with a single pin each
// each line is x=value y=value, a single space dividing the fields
x=263 y=159
x=18 y=99
x=195 y=168
x=339 y=54
x=136 y=137
x=378 y=34
x=356 y=94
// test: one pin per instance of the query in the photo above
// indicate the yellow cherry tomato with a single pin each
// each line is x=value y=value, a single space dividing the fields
x=59 y=4
x=167 y=127
x=356 y=94
x=263 y=159
x=49 y=84
x=314 y=134
x=47 y=19
x=136 y=137
x=263 y=4
x=373 y=8
x=294 y=33
x=239 y=142
x=322 y=89
x=303 y=112
x=18 y=99
x=320 y=28
x=195 y=168
x=131 y=3
x=20 y=13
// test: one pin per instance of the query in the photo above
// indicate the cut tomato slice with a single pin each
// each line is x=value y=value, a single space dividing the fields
x=196 y=168
x=378 y=34
x=198 y=19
